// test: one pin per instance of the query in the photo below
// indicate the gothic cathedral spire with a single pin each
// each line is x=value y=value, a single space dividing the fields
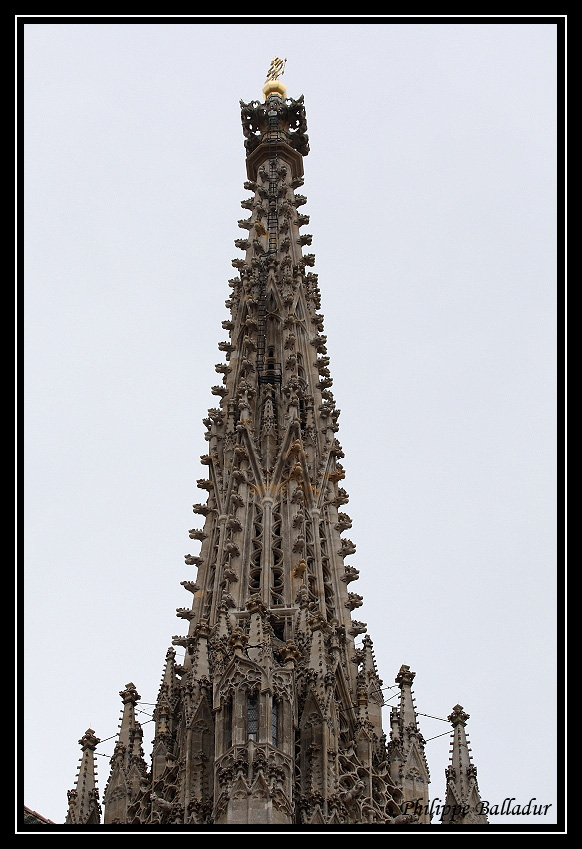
x=274 y=716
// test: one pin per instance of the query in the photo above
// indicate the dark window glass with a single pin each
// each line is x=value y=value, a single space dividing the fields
x=275 y=723
x=252 y=717
x=228 y=724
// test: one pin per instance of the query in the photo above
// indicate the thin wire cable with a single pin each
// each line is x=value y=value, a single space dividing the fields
x=438 y=735
x=113 y=736
x=433 y=717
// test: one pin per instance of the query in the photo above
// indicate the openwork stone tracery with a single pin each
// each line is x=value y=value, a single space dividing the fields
x=275 y=714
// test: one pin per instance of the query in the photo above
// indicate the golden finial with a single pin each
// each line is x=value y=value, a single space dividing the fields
x=276 y=70
x=272 y=83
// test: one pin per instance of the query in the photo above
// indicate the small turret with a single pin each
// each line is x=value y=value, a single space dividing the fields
x=84 y=808
x=408 y=765
x=462 y=802
x=128 y=766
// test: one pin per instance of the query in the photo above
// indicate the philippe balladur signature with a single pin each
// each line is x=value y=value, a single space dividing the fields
x=415 y=806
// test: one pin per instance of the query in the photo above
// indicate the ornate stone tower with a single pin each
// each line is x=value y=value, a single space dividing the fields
x=462 y=802
x=275 y=715
x=84 y=807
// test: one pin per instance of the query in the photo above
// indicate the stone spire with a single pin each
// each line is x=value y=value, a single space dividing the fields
x=84 y=808
x=127 y=763
x=408 y=765
x=270 y=643
x=274 y=715
x=462 y=802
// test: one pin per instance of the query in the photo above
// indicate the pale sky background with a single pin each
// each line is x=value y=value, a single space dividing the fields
x=431 y=187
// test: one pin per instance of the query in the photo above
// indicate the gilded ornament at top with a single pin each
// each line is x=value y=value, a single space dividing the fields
x=272 y=84
x=276 y=69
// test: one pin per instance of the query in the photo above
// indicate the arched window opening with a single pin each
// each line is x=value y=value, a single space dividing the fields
x=252 y=716
x=275 y=723
x=271 y=372
x=228 y=724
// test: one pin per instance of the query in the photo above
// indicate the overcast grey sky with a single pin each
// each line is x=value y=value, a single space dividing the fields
x=431 y=187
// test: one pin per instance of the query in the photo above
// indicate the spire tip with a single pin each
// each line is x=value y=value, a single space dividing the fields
x=272 y=84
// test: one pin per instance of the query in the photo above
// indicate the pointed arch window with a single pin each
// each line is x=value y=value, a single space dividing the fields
x=252 y=716
x=300 y=369
x=275 y=723
x=228 y=724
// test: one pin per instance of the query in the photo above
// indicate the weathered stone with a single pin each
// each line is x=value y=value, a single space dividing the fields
x=274 y=717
